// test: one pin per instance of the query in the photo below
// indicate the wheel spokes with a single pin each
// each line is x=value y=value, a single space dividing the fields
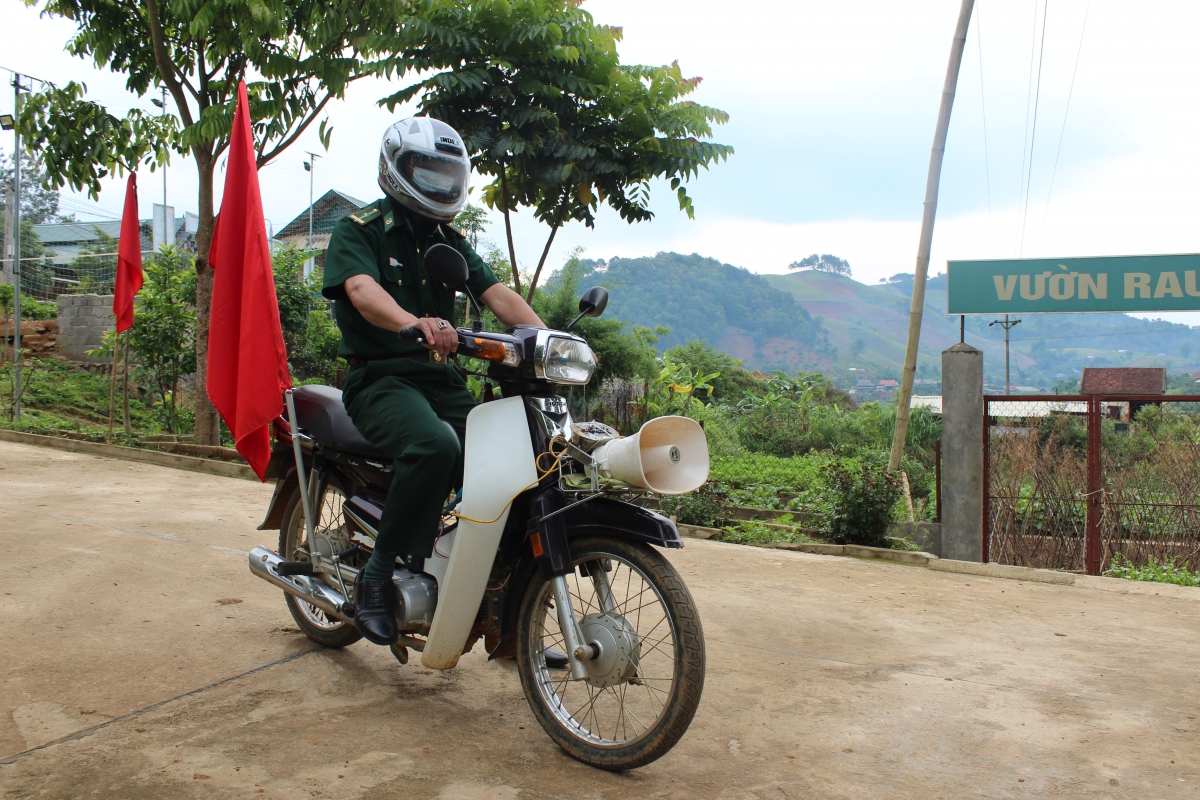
x=609 y=714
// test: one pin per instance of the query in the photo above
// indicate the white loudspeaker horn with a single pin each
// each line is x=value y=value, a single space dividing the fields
x=669 y=455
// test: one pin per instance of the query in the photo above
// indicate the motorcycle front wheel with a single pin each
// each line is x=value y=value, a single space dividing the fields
x=643 y=687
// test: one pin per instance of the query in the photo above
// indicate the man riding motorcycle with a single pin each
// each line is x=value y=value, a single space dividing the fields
x=407 y=398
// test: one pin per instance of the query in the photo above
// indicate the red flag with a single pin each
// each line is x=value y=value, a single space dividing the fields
x=129 y=259
x=247 y=361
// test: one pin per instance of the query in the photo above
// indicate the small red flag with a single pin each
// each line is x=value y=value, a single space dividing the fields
x=247 y=360
x=129 y=259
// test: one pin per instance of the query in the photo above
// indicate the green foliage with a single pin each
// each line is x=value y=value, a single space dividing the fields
x=536 y=89
x=39 y=201
x=761 y=534
x=472 y=222
x=861 y=501
x=161 y=337
x=57 y=397
x=309 y=332
x=31 y=308
x=1154 y=571
x=294 y=56
x=675 y=386
x=705 y=507
x=730 y=379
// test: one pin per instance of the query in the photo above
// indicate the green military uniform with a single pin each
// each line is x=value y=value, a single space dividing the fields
x=397 y=393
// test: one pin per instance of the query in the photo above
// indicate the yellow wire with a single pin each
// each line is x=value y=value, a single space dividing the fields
x=541 y=475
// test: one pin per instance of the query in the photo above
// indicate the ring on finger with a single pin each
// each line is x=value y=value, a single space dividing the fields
x=441 y=324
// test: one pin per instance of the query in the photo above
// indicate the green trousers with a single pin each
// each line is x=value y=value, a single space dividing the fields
x=416 y=413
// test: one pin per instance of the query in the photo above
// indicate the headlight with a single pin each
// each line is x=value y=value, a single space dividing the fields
x=563 y=359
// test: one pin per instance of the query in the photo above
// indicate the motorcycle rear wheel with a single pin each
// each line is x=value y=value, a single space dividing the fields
x=634 y=709
x=293 y=546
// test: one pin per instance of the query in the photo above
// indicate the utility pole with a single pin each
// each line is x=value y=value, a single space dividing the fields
x=932 y=182
x=16 y=264
x=167 y=223
x=1006 y=325
x=309 y=167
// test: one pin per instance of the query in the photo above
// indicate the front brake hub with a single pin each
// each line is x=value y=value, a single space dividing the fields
x=619 y=645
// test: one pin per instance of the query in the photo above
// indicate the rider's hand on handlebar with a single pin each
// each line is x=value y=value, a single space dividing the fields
x=439 y=334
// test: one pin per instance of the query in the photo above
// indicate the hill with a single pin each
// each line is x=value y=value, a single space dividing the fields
x=820 y=321
x=869 y=327
x=733 y=309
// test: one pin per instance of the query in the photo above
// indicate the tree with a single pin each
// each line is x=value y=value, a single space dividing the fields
x=472 y=222
x=823 y=263
x=309 y=333
x=161 y=338
x=536 y=89
x=39 y=199
x=39 y=205
x=295 y=56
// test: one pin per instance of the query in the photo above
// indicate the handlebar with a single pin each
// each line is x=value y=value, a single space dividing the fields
x=410 y=334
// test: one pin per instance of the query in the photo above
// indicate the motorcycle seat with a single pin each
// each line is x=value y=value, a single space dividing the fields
x=321 y=414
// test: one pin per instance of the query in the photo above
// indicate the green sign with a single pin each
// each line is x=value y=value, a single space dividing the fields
x=1058 y=285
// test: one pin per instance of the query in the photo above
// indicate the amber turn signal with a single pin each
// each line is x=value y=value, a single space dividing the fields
x=492 y=350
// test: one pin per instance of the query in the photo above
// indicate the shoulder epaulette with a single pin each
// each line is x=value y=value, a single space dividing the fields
x=448 y=228
x=365 y=215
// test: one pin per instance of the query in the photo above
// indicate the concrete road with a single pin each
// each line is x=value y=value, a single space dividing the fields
x=140 y=659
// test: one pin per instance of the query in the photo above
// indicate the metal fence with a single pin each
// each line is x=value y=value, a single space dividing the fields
x=1073 y=482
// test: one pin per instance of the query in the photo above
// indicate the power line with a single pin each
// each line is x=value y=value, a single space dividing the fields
x=1063 y=131
x=987 y=170
x=1028 y=101
x=1033 y=135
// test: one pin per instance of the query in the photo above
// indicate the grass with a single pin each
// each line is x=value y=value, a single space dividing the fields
x=1154 y=571
x=58 y=399
x=760 y=534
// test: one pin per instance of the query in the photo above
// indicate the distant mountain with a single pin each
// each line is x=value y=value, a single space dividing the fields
x=814 y=320
x=868 y=324
x=734 y=309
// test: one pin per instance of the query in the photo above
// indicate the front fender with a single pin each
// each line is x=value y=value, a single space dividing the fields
x=600 y=517
x=552 y=553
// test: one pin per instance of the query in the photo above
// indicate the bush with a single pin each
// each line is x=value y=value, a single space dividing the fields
x=31 y=308
x=861 y=498
x=760 y=534
x=1154 y=571
x=705 y=507
x=309 y=333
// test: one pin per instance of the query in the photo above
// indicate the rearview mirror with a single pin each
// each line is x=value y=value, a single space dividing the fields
x=446 y=265
x=593 y=302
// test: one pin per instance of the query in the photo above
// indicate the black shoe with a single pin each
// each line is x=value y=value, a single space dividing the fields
x=375 y=610
x=555 y=659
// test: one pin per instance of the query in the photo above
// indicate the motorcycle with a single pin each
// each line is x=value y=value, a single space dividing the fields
x=542 y=554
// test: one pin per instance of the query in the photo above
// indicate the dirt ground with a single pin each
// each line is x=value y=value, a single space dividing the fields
x=140 y=659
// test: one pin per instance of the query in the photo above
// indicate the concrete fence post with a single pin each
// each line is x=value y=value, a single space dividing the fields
x=962 y=453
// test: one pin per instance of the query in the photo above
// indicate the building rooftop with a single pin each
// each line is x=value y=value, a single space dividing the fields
x=327 y=211
x=1123 y=380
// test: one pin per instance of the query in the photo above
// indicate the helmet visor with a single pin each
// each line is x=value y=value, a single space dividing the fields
x=438 y=178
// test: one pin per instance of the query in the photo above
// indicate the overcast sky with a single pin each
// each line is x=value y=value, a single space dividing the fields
x=832 y=108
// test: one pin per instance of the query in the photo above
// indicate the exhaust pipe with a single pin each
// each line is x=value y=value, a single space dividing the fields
x=265 y=564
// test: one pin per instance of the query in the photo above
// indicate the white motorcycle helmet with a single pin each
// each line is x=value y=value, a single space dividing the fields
x=424 y=167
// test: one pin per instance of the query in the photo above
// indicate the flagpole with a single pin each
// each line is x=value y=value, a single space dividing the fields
x=125 y=391
x=112 y=383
